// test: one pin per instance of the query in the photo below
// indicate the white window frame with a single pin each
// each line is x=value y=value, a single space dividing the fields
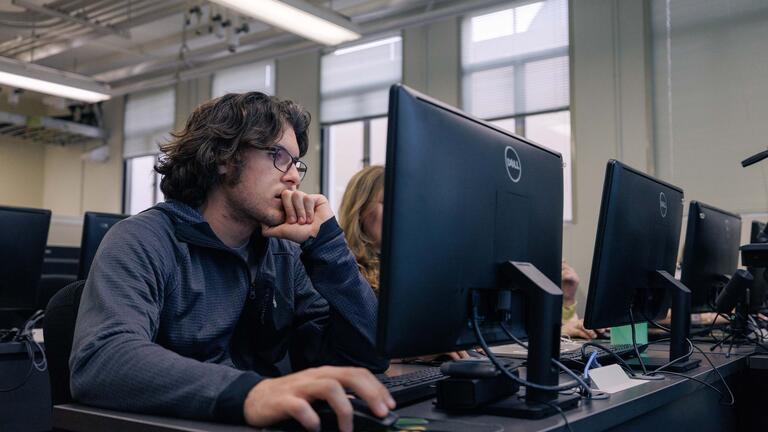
x=519 y=63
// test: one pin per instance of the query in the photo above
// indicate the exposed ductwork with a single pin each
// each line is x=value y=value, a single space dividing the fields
x=139 y=44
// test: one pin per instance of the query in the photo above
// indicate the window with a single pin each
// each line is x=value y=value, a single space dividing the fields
x=354 y=90
x=149 y=118
x=515 y=73
x=142 y=183
x=245 y=78
x=350 y=147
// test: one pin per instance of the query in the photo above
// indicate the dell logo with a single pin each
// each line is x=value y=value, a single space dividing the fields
x=512 y=163
x=663 y=204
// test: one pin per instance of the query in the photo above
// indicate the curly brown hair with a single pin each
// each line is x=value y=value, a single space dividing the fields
x=363 y=190
x=217 y=133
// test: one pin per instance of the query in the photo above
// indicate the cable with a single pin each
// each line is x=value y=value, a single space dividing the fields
x=692 y=379
x=634 y=342
x=513 y=337
x=565 y=369
x=671 y=362
x=714 y=368
x=25 y=337
x=562 y=414
x=619 y=360
x=590 y=393
x=500 y=367
x=589 y=363
x=23 y=381
x=656 y=324
x=725 y=384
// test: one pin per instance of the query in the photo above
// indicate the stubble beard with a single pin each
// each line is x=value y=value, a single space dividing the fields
x=257 y=213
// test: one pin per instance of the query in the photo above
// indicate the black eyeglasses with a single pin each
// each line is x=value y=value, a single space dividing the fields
x=283 y=160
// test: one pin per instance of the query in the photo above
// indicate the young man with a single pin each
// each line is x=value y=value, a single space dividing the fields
x=191 y=306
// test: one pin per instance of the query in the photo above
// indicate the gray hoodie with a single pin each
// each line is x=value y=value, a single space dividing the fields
x=174 y=322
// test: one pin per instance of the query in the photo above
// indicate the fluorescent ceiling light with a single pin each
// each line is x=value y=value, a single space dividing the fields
x=297 y=16
x=50 y=88
x=45 y=80
x=365 y=46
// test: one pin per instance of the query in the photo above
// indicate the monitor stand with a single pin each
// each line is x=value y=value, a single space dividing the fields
x=544 y=302
x=735 y=295
x=680 y=328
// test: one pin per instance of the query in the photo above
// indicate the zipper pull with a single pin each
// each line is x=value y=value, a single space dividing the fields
x=252 y=293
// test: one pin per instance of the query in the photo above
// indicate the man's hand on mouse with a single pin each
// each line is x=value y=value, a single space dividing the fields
x=276 y=399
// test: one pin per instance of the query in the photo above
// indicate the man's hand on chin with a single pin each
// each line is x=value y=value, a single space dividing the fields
x=304 y=214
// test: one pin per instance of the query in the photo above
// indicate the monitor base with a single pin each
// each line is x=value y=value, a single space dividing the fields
x=656 y=362
x=516 y=406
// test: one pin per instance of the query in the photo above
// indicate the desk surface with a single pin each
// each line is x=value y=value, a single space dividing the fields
x=620 y=408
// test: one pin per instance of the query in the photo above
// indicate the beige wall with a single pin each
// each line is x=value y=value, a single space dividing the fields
x=22 y=162
x=103 y=181
x=190 y=94
x=73 y=186
x=21 y=179
x=711 y=111
x=298 y=79
x=610 y=96
x=431 y=62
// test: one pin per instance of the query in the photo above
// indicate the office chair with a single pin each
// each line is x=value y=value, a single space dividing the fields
x=58 y=331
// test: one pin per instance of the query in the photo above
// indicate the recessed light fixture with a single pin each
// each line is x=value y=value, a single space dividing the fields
x=45 y=80
x=299 y=17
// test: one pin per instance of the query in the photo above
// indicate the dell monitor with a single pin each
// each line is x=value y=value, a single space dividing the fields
x=23 y=235
x=95 y=227
x=463 y=199
x=760 y=284
x=710 y=254
x=757 y=233
x=635 y=254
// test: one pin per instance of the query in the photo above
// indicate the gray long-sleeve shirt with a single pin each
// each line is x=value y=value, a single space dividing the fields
x=174 y=322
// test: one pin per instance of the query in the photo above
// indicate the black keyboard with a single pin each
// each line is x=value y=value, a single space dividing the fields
x=414 y=386
x=574 y=359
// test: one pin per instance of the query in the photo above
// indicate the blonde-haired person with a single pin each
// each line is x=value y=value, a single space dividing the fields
x=572 y=325
x=360 y=217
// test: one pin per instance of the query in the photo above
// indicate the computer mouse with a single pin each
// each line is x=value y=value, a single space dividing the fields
x=363 y=418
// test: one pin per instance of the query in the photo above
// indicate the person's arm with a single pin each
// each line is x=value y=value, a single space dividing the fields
x=569 y=285
x=336 y=309
x=571 y=324
x=116 y=363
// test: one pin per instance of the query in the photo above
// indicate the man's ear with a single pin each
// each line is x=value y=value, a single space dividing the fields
x=222 y=169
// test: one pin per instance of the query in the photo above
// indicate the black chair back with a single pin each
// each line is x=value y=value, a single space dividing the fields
x=58 y=331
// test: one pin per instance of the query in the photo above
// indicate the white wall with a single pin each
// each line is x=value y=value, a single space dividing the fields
x=297 y=78
x=609 y=111
x=711 y=111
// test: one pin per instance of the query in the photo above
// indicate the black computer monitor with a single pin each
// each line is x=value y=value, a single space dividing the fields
x=635 y=255
x=757 y=232
x=23 y=235
x=710 y=254
x=95 y=227
x=463 y=198
x=760 y=284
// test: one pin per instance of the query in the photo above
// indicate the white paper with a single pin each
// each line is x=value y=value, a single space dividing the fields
x=612 y=379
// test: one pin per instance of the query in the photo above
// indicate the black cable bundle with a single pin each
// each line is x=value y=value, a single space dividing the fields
x=25 y=336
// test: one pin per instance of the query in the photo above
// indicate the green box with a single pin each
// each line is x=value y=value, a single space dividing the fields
x=622 y=335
